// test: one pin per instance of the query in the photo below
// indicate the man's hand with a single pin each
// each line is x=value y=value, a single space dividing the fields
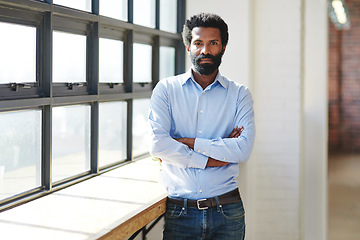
x=215 y=163
x=236 y=132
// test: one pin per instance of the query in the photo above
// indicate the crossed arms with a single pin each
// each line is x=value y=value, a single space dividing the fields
x=190 y=142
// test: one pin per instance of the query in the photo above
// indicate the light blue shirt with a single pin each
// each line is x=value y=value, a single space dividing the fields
x=179 y=107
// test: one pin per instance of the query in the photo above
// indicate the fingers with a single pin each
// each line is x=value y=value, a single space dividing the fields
x=215 y=163
x=236 y=132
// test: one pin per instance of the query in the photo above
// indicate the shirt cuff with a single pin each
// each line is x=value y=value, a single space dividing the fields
x=197 y=160
x=203 y=146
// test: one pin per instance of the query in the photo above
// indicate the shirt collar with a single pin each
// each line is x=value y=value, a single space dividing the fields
x=219 y=78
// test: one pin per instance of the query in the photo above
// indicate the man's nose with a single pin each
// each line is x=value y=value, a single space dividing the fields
x=205 y=49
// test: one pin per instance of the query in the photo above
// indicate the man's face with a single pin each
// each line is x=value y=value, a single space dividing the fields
x=206 y=49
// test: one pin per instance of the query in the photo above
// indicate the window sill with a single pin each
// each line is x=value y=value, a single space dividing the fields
x=116 y=203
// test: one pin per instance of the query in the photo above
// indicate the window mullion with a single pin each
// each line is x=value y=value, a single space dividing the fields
x=156 y=61
x=129 y=138
x=93 y=59
x=94 y=137
x=46 y=59
x=47 y=147
x=131 y=11
x=157 y=14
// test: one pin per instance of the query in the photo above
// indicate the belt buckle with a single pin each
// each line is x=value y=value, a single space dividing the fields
x=198 y=204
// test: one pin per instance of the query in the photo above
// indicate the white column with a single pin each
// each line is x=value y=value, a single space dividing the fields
x=315 y=121
x=277 y=84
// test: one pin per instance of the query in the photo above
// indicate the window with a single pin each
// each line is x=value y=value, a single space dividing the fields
x=142 y=63
x=75 y=83
x=18 y=51
x=111 y=61
x=70 y=141
x=69 y=57
x=84 y=5
x=112 y=132
x=144 y=13
x=20 y=147
x=140 y=133
x=168 y=15
x=167 y=62
x=114 y=9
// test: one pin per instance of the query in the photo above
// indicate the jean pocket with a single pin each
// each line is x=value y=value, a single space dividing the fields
x=174 y=211
x=233 y=211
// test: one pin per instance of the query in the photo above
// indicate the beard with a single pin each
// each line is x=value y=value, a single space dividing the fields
x=206 y=68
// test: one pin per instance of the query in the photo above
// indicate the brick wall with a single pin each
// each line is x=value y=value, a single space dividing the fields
x=344 y=83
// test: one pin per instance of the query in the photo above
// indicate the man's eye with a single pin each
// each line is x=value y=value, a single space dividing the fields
x=214 y=43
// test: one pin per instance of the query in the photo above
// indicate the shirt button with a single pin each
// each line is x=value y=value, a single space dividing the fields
x=200 y=131
x=201 y=111
x=200 y=190
x=199 y=170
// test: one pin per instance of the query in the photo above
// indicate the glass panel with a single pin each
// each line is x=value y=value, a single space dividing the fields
x=84 y=5
x=111 y=60
x=140 y=126
x=142 y=62
x=20 y=148
x=168 y=15
x=70 y=141
x=115 y=9
x=144 y=12
x=112 y=132
x=17 y=51
x=167 y=62
x=69 y=57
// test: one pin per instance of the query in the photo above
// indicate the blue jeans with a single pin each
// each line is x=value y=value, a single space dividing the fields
x=226 y=222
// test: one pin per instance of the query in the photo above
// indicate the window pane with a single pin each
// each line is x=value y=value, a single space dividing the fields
x=112 y=132
x=140 y=126
x=111 y=60
x=168 y=15
x=144 y=12
x=70 y=141
x=115 y=9
x=84 y=5
x=142 y=62
x=167 y=62
x=20 y=148
x=17 y=51
x=69 y=57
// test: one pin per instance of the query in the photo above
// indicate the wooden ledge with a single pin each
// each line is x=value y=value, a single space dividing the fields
x=113 y=205
x=137 y=222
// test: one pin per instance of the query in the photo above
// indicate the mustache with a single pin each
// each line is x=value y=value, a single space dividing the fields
x=201 y=56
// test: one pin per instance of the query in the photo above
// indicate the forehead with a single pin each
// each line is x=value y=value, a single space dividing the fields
x=205 y=34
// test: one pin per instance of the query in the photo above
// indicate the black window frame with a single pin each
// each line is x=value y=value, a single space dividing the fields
x=44 y=94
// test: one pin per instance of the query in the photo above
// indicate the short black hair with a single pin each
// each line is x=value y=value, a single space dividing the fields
x=205 y=20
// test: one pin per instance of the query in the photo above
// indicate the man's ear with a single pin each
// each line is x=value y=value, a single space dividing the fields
x=223 y=51
x=187 y=48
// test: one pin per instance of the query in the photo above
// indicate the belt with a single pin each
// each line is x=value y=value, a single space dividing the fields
x=203 y=204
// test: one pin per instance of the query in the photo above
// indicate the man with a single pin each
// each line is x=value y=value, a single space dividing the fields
x=202 y=126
